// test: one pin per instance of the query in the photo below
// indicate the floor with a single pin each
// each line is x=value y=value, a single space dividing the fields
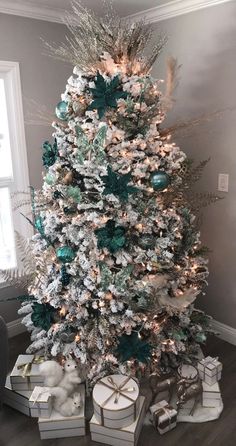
x=18 y=430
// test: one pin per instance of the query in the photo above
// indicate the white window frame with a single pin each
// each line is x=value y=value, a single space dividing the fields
x=10 y=72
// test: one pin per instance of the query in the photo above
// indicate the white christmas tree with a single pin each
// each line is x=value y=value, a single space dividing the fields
x=118 y=260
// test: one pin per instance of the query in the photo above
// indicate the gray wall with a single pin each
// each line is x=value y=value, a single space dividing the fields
x=42 y=79
x=205 y=44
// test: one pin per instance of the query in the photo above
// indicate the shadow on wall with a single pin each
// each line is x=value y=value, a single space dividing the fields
x=205 y=44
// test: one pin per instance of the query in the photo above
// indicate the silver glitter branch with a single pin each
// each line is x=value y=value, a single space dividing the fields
x=91 y=36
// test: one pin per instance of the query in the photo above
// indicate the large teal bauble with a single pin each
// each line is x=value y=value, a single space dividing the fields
x=65 y=254
x=62 y=110
x=160 y=180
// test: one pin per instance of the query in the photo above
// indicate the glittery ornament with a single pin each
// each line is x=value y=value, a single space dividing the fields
x=159 y=180
x=62 y=110
x=65 y=254
x=50 y=179
x=68 y=178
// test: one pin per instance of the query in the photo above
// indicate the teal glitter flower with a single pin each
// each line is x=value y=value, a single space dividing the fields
x=105 y=94
x=111 y=237
x=118 y=185
x=50 y=153
x=133 y=347
x=43 y=315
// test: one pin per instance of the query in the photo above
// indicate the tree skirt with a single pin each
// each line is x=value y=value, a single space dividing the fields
x=201 y=414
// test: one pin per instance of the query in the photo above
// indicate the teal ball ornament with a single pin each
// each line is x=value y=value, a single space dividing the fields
x=61 y=110
x=65 y=254
x=160 y=180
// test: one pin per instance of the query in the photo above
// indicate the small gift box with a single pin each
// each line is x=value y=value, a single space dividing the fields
x=58 y=426
x=210 y=370
x=211 y=396
x=25 y=374
x=40 y=403
x=18 y=400
x=163 y=417
x=126 y=436
x=116 y=401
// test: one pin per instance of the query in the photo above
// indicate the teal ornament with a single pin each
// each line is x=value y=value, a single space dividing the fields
x=160 y=180
x=62 y=110
x=111 y=237
x=38 y=224
x=65 y=254
x=134 y=347
x=43 y=315
x=105 y=94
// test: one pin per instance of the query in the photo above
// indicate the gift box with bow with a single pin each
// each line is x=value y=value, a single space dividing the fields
x=25 y=374
x=163 y=417
x=116 y=401
x=126 y=436
x=18 y=400
x=40 y=403
x=59 y=426
x=209 y=370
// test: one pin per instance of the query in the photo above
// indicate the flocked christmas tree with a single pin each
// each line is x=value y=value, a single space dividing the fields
x=118 y=260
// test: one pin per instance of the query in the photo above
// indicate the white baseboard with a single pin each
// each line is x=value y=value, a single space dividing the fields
x=224 y=331
x=15 y=328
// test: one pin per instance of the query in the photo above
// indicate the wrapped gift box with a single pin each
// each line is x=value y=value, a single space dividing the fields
x=25 y=374
x=210 y=370
x=126 y=436
x=116 y=401
x=58 y=426
x=40 y=403
x=211 y=395
x=163 y=417
x=18 y=400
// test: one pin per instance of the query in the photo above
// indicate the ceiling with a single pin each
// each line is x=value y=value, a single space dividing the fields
x=123 y=7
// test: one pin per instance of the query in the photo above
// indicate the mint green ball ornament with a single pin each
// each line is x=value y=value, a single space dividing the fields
x=62 y=110
x=65 y=254
x=159 y=180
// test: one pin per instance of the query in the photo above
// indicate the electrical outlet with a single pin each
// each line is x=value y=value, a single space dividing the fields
x=223 y=182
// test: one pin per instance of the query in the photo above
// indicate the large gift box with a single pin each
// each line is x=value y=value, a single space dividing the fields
x=209 y=370
x=18 y=400
x=58 y=426
x=126 y=436
x=211 y=396
x=163 y=417
x=40 y=402
x=25 y=374
x=116 y=401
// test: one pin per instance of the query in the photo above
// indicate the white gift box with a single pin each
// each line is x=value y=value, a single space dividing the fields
x=126 y=436
x=28 y=380
x=58 y=426
x=18 y=400
x=116 y=401
x=163 y=416
x=210 y=370
x=211 y=395
x=40 y=403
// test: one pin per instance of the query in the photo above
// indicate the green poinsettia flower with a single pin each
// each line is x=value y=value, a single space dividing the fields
x=43 y=315
x=111 y=237
x=133 y=347
x=118 y=185
x=50 y=153
x=105 y=94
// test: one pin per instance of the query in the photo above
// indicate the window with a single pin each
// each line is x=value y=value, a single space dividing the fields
x=13 y=162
